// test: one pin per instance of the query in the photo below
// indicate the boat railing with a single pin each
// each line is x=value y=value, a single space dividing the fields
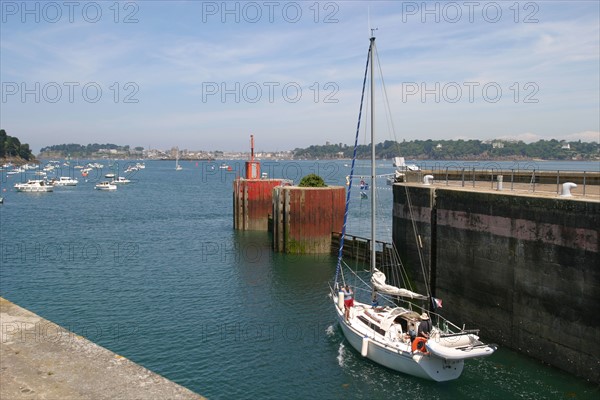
x=358 y=249
x=446 y=328
x=454 y=334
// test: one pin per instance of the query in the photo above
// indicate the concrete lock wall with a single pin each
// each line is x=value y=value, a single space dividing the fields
x=305 y=217
x=523 y=269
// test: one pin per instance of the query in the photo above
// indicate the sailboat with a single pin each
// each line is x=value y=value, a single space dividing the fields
x=403 y=335
x=177 y=166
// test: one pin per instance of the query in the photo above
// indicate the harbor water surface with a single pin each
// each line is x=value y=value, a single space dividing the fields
x=155 y=272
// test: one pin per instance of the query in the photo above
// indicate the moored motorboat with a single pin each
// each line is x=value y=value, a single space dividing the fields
x=65 y=181
x=105 y=186
x=120 y=180
x=34 y=185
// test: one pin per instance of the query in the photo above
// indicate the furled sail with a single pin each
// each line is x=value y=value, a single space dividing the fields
x=378 y=281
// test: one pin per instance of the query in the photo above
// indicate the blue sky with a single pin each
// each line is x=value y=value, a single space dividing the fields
x=206 y=75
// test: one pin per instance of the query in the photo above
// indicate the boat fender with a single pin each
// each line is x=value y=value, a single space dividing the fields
x=340 y=300
x=419 y=345
x=365 y=346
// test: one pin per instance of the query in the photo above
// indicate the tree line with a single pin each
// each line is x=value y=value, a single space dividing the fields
x=79 y=150
x=459 y=149
x=11 y=146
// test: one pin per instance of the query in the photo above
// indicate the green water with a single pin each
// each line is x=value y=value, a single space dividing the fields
x=155 y=272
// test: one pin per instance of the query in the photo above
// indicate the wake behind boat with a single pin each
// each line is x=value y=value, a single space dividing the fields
x=402 y=335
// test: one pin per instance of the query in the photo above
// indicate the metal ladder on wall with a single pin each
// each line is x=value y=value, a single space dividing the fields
x=532 y=182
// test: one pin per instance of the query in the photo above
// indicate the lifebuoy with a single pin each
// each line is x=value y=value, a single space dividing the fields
x=419 y=345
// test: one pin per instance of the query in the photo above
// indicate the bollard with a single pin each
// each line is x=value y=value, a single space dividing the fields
x=566 y=189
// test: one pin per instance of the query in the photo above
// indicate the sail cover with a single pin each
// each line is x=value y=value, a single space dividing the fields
x=378 y=281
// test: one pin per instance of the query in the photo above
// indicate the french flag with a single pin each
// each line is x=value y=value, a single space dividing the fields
x=437 y=303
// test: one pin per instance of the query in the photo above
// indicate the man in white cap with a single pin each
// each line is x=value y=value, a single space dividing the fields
x=424 y=326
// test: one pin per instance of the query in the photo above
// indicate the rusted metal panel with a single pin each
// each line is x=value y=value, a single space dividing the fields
x=305 y=218
x=252 y=170
x=253 y=203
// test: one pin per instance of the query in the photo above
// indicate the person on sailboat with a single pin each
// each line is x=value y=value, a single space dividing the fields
x=375 y=304
x=348 y=301
x=424 y=327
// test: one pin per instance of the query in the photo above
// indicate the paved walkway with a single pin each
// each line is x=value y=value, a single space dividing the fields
x=592 y=192
x=41 y=360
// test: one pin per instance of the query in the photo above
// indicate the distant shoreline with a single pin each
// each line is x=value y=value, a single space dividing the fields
x=19 y=161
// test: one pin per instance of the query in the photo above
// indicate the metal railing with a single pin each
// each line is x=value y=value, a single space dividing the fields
x=518 y=180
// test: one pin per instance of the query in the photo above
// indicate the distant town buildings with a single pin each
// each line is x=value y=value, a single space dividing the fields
x=185 y=154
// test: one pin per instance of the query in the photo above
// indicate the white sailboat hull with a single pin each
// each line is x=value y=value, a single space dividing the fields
x=394 y=336
x=398 y=356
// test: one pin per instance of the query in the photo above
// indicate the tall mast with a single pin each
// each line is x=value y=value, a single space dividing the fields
x=373 y=174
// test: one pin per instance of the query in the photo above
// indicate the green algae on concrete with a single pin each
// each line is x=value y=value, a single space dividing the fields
x=42 y=360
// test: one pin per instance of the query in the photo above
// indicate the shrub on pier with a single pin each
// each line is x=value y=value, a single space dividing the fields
x=312 y=180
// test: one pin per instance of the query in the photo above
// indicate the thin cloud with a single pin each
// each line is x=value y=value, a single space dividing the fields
x=172 y=54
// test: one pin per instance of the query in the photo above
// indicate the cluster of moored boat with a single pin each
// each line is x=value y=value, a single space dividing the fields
x=41 y=183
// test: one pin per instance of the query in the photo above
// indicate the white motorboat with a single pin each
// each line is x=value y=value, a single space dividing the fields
x=401 y=164
x=402 y=335
x=105 y=186
x=34 y=185
x=120 y=180
x=18 y=170
x=65 y=181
